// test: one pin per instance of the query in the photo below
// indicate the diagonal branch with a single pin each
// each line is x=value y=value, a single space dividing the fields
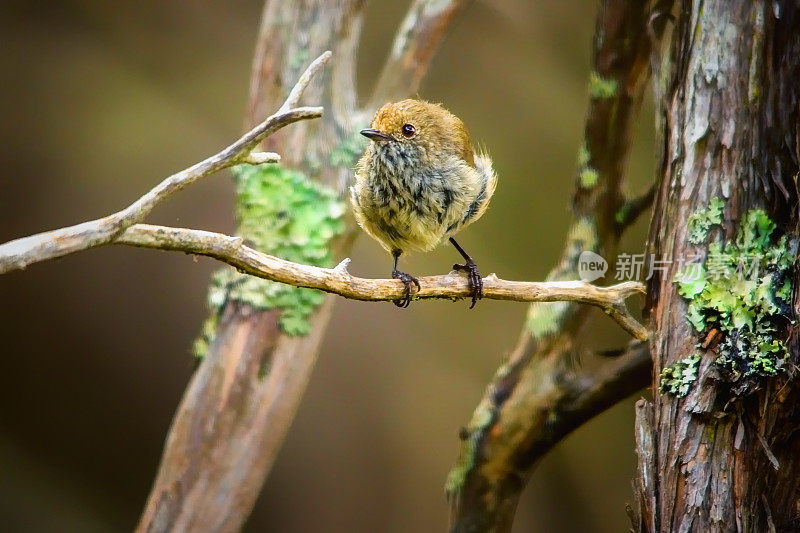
x=414 y=46
x=569 y=399
x=19 y=253
x=584 y=396
x=559 y=402
x=232 y=251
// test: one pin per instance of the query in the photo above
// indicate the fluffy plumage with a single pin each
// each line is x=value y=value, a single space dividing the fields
x=420 y=182
x=412 y=193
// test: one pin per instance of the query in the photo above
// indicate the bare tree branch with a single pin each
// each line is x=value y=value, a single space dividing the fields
x=305 y=78
x=561 y=402
x=232 y=251
x=19 y=253
x=413 y=48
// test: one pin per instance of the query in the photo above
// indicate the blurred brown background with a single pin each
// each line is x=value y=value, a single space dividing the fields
x=101 y=100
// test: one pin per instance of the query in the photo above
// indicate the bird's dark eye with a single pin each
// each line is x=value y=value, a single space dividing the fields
x=409 y=130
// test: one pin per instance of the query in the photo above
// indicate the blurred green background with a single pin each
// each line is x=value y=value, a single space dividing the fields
x=101 y=100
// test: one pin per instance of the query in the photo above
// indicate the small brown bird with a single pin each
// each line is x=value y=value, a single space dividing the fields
x=419 y=182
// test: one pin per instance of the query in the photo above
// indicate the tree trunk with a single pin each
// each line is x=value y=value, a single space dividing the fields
x=239 y=405
x=718 y=447
x=237 y=408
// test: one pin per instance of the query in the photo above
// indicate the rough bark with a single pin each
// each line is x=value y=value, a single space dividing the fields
x=707 y=461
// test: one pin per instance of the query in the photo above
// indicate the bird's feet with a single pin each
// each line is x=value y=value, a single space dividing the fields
x=474 y=277
x=408 y=280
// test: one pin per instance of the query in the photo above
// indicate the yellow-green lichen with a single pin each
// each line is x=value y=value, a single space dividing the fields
x=584 y=156
x=482 y=419
x=281 y=213
x=743 y=290
x=206 y=337
x=703 y=220
x=600 y=87
x=588 y=177
x=677 y=378
x=457 y=475
x=623 y=213
x=582 y=236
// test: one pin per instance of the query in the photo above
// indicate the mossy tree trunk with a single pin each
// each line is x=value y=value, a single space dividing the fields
x=719 y=447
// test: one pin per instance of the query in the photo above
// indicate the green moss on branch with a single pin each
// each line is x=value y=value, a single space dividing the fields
x=600 y=87
x=283 y=213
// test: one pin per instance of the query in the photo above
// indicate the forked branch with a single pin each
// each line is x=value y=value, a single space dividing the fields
x=19 y=253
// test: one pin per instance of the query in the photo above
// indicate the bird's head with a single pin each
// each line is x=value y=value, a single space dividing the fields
x=420 y=133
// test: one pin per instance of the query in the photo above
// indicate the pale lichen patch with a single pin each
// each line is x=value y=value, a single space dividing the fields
x=703 y=220
x=600 y=87
x=283 y=213
x=677 y=378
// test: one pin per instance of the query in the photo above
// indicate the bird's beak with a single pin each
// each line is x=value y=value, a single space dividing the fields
x=376 y=135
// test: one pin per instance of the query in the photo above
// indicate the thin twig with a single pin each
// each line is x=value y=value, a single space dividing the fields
x=19 y=253
x=232 y=251
x=305 y=78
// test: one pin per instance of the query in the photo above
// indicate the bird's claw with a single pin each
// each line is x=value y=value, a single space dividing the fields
x=474 y=278
x=408 y=280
